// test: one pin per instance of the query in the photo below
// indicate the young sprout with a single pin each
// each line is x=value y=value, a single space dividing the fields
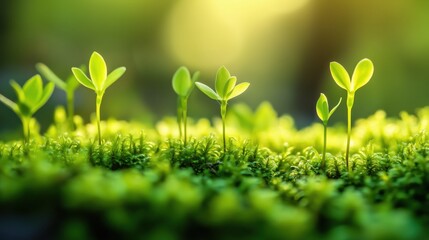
x=31 y=97
x=225 y=90
x=322 y=109
x=98 y=82
x=68 y=86
x=361 y=76
x=183 y=85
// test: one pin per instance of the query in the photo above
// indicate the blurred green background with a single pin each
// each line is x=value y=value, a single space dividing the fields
x=282 y=47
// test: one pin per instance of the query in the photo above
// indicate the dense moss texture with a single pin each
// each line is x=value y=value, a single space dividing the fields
x=143 y=182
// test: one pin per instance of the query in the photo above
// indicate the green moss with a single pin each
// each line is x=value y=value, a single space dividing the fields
x=268 y=184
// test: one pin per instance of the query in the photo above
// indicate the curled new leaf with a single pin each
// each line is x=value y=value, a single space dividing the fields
x=322 y=108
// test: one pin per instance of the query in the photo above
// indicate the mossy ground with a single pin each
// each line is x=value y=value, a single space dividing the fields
x=142 y=182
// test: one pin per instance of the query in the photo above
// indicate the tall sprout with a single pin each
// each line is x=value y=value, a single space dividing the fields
x=98 y=82
x=361 y=76
x=183 y=85
x=226 y=89
x=322 y=110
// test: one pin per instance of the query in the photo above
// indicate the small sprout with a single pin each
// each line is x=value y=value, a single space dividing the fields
x=322 y=109
x=226 y=89
x=31 y=97
x=361 y=76
x=183 y=85
x=98 y=82
x=68 y=86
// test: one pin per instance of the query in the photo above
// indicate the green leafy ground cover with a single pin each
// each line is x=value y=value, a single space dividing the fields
x=143 y=182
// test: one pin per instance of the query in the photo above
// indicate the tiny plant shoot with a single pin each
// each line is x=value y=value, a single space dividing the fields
x=361 y=76
x=183 y=85
x=98 y=82
x=31 y=97
x=322 y=110
x=225 y=90
x=68 y=86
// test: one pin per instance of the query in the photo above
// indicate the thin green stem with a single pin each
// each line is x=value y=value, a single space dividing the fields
x=26 y=128
x=325 y=133
x=70 y=109
x=179 y=115
x=223 y=114
x=185 y=113
x=349 y=130
x=97 y=113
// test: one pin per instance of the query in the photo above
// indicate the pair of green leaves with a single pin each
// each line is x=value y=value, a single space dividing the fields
x=182 y=82
x=31 y=97
x=225 y=86
x=322 y=108
x=99 y=80
x=361 y=75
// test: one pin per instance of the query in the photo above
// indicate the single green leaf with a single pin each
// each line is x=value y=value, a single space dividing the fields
x=182 y=81
x=51 y=76
x=98 y=71
x=33 y=89
x=208 y=91
x=334 y=108
x=47 y=92
x=18 y=90
x=222 y=77
x=322 y=108
x=229 y=86
x=114 y=76
x=9 y=103
x=340 y=75
x=82 y=78
x=239 y=89
x=196 y=76
x=362 y=74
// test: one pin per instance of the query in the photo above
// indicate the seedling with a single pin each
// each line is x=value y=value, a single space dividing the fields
x=68 y=86
x=361 y=76
x=225 y=90
x=322 y=109
x=98 y=82
x=183 y=85
x=31 y=97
